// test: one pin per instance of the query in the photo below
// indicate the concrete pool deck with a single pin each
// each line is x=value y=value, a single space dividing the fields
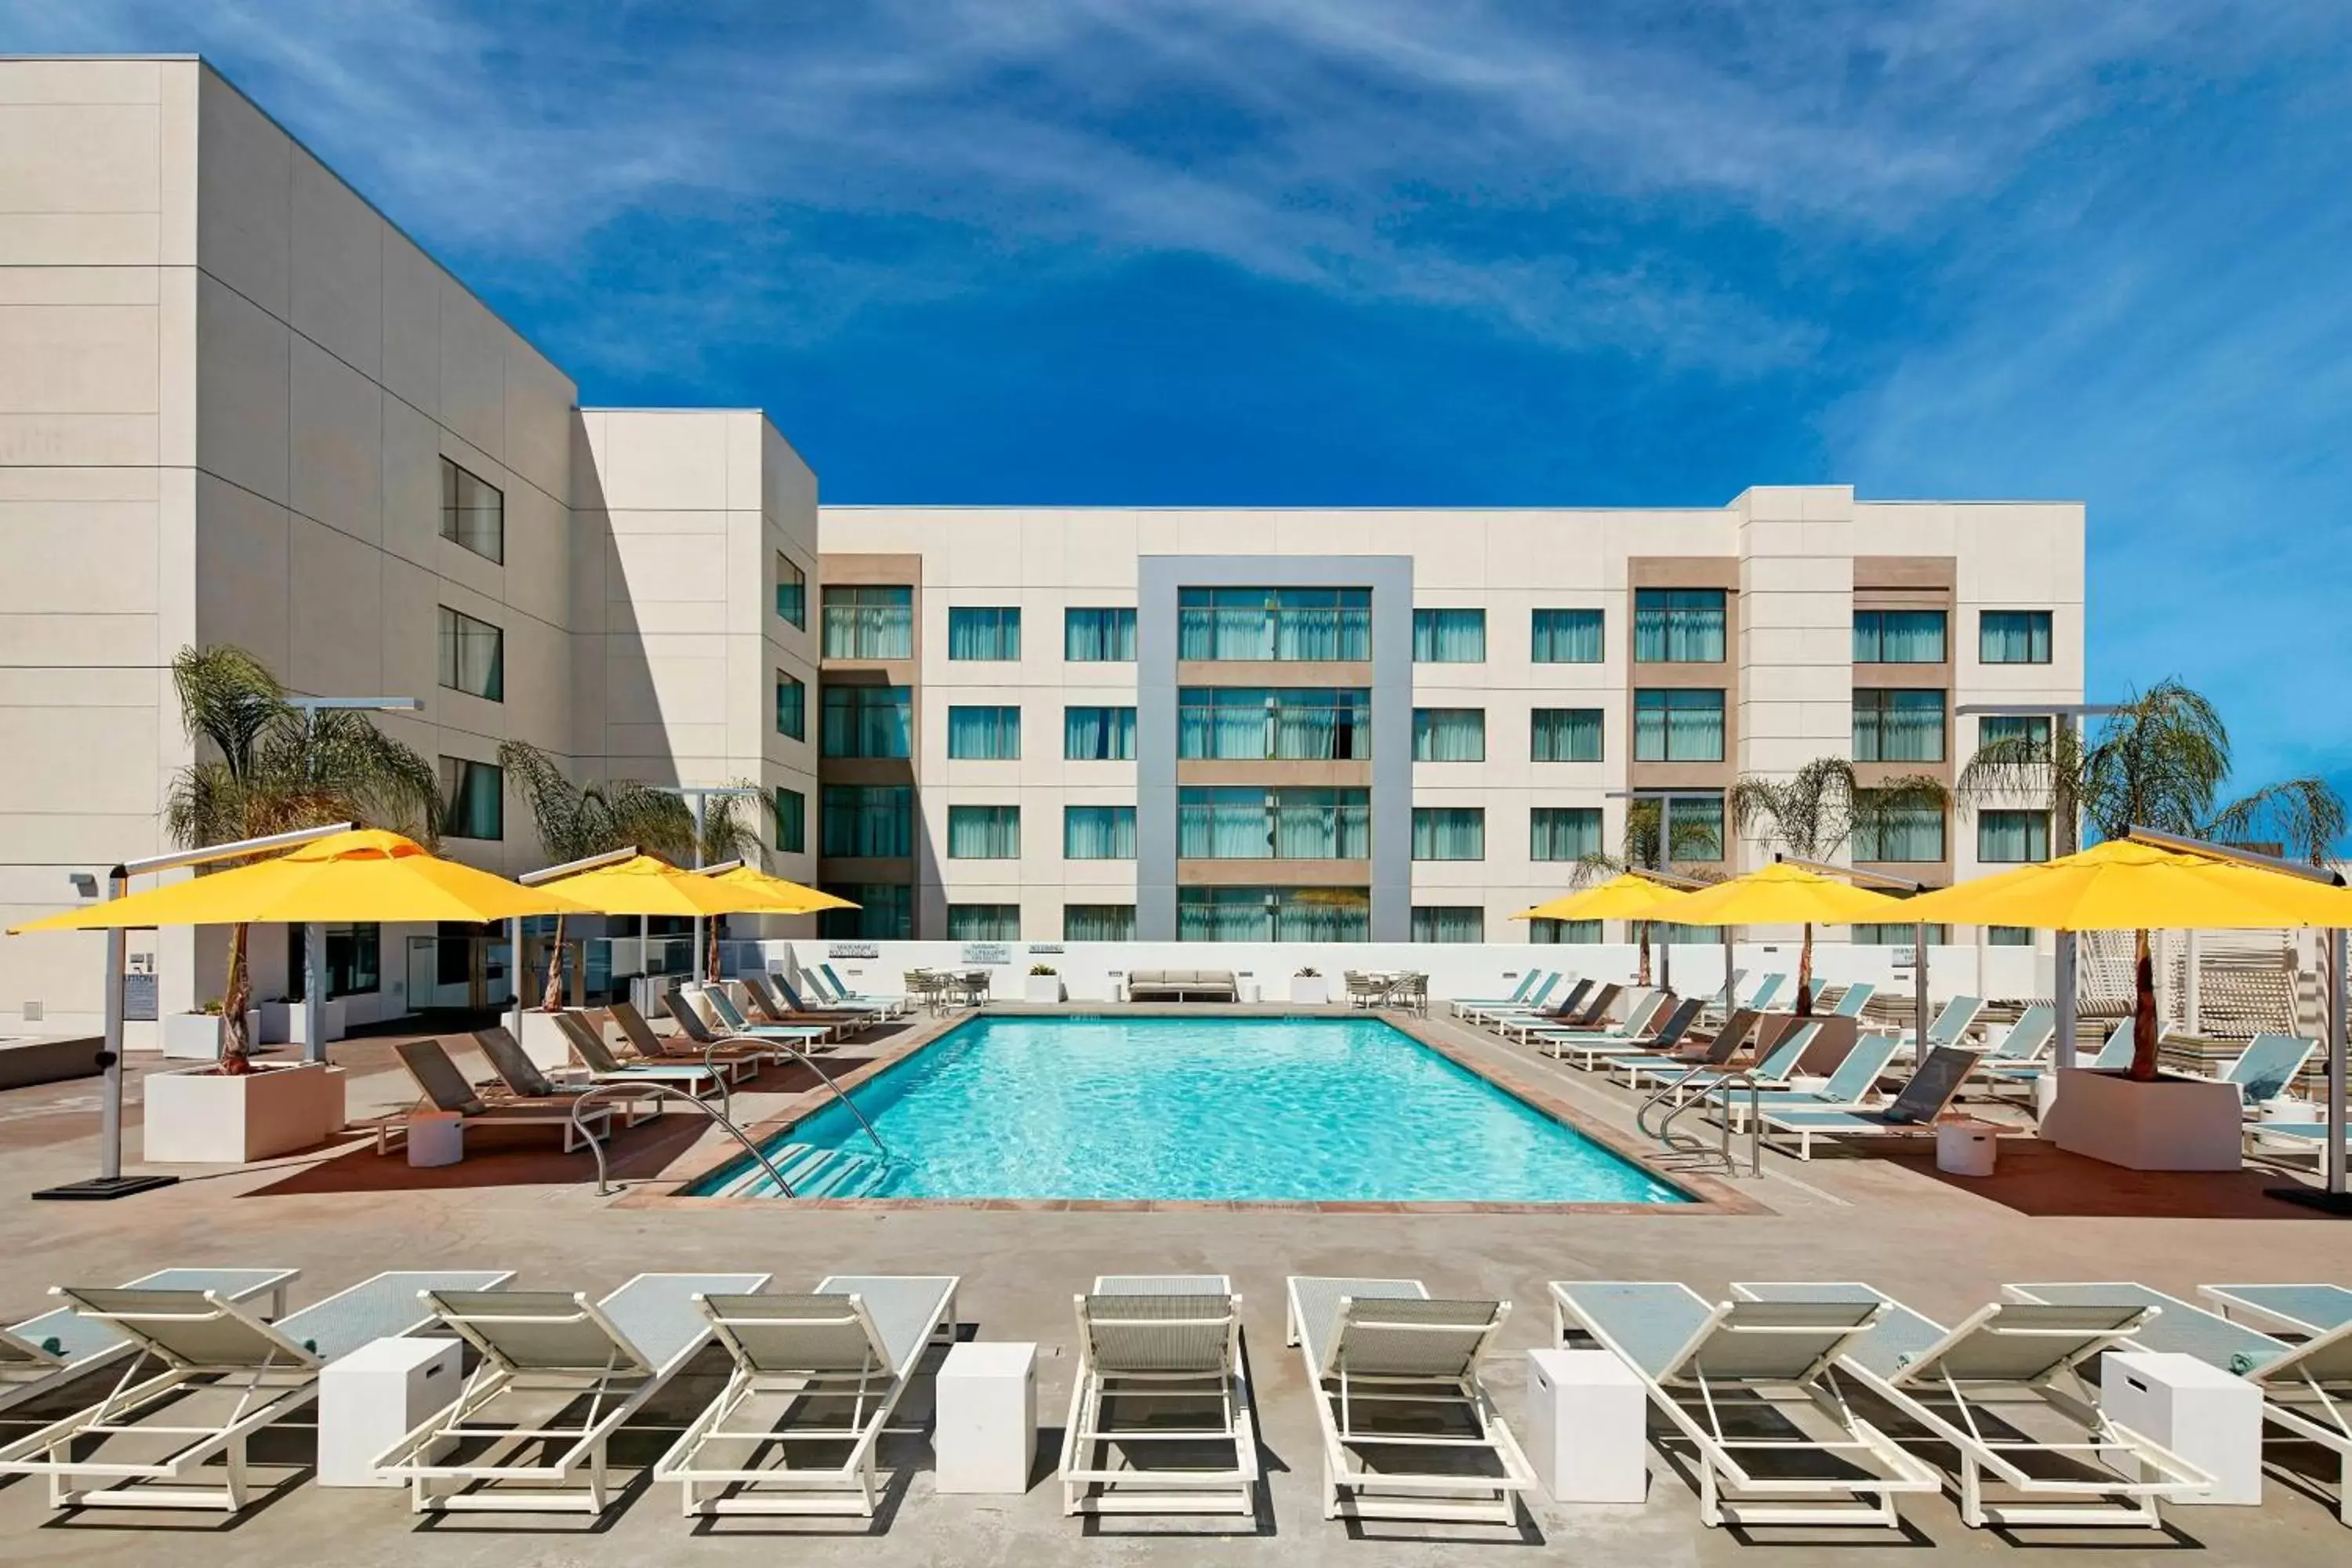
x=1943 y=1245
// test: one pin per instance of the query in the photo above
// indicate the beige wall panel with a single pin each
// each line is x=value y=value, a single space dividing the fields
x=410 y=459
x=336 y=456
x=663 y=461
x=125 y=440
x=54 y=758
x=473 y=346
x=78 y=558
x=539 y=419
x=334 y=615
x=245 y=179
x=650 y=570
x=78 y=359
x=111 y=164
x=538 y=538
x=78 y=239
x=241 y=392
x=77 y=285
x=240 y=570
x=336 y=287
x=80 y=82
x=412 y=324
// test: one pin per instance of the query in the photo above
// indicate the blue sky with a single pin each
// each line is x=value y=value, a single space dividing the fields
x=1360 y=251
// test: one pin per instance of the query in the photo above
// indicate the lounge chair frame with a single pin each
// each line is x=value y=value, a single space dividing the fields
x=1089 y=1486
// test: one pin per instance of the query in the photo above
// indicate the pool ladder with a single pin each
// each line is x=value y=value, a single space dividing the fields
x=1690 y=1146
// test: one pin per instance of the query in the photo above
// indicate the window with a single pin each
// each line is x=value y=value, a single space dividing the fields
x=1898 y=637
x=886 y=911
x=354 y=960
x=473 y=655
x=983 y=922
x=792 y=706
x=985 y=734
x=1256 y=723
x=473 y=799
x=867 y=822
x=2007 y=837
x=1098 y=832
x=869 y=623
x=791 y=591
x=1449 y=636
x=1679 y=725
x=2009 y=936
x=1694 y=827
x=1244 y=822
x=1899 y=833
x=1685 y=936
x=1098 y=637
x=1564 y=932
x=1566 y=637
x=1898 y=726
x=1449 y=735
x=2033 y=733
x=1449 y=922
x=984 y=634
x=1895 y=933
x=984 y=833
x=1285 y=624
x=1563 y=832
x=791 y=821
x=867 y=722
x=1678 y=626
x=1565 y=735
x=1273 y=914
x=1449 y=833
x=1097 y=923
x=2013 y=636
x=473 y=513
x=1098 y=734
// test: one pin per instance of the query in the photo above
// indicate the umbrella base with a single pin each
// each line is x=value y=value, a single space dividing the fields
x=2318 y=1198
x=98 y=1189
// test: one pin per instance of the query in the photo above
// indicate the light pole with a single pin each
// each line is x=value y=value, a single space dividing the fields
x=2068 y=829
x=110 y=1182
x=698 y=795
x=314 y=934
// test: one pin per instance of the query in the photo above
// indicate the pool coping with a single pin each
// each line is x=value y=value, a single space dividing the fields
x=1707 y=1194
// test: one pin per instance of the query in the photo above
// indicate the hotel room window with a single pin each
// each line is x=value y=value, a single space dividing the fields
x=1104 y=635
x=1283 y=724
x=1449 y=636
x=867 y=720
x=2013 y=636
x=984 y=833
x=1559 y=833
x=1898 y=726
x=1449 y=833
x=1678 y=626
x=989 y=632
x=867 y=822
x=1449 y=922
x=1098 y=832
x=1566 y=636
x=792 y=706
x=983 y=922
x=1565 y=735
x=2027 y=732
x=1449 y=735
x=1097 y=923
x=2012 y=837
x=1898 y=637
x=473 y=655
x=791 y=591
x=473 y=513
x=885 y=913
x=869 y=622
x=1098 y=734
x=473 y=799
x=1305 y=625
x=985 y=734
x=791 y=821
x=1678 y=724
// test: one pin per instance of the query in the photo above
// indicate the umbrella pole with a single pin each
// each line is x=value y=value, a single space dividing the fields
x=110 y=1182
x=514 y=974
x=2338 y=1000
x=1919 y=995
x=2062 y=980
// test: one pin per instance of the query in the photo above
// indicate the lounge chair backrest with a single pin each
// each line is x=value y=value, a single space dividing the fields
x=798 y=1334
x=1518 y=993
x=1598 y=1008
x=1157 y=1333
x=1856 y=998
x=815 y=984
x=1403 y=1337
x=513 y=1063
x=1567 y=1005
x=724 y=1006
x=1734 y=1030
x=1644 y=1008
x=2013 y=1342
x=839 y=989
x=1678 y=1022
x=187 y=1328
x=1953 y=1022
x=1852 y=1080
x=2116 y=1053
x=2325 y=1359
x=1776 y=1341
x=2029 y=1036
x=22 y=1358
x=1535 y=998
x=643 y=1037
x=793 y=1003
x=2268 y=1064
x=680 y=1006
x=587 y=1042
x=1728 y=996
x=537 y=1330
x=1938 y=1078
x=438 y=1077
x=1767 y=989
x=770 y=991
x=1779 y=1063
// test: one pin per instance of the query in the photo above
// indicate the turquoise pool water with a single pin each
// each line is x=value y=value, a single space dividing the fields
x=1261 y=1110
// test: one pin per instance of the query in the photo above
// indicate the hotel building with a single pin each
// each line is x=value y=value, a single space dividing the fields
x=237 y=405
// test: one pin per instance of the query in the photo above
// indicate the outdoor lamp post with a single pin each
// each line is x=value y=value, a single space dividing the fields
x=314 y=935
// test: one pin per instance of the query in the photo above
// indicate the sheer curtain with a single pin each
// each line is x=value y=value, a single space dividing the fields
x=1322 y=825
x=1565 y=735
x=985 y=734
x=2013 y=636
x=1898 y=726
x=1223 y=721
x=1322 y=914
x=1316 y=725
x=1898 y=637
x=1449 y=922
x=1098 y=832
x=1097 y=923
x=1563 y=832
x=1913 y=833
x=1222 y=914
x=1104 y=635
x=2013 y=837
x=1578 y=931
x=1449 y=636
x=1449 y=833
x=885 y=910
x=869 y=623
x=1449 y=735
x=867 y=821
x=1098 y=734
x=983 y=922
x=1221 y=824
x=985 y=632
x=1566 y=637
x=1678 y=626
x=867 y=722
x=1679 y=725
x=984 y=833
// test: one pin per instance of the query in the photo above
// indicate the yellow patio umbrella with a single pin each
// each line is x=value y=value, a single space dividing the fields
x=367 y=874
x=1782 y=894
x=792 y=897
x=2128 y=885
x=648 y=885
x=1628 y=896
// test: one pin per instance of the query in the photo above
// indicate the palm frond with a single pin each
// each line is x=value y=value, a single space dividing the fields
x=230 y=698
x=2305 y=815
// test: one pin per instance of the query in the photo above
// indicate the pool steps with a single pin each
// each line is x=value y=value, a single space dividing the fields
x=816 y=1173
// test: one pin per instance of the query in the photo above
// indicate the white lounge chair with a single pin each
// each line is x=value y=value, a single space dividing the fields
x=1851 y=1085
x=1643 y=1068
x=1851 y=1001
x=1583 y=1005
x=1373 y=1346
x=1530 y=1004
x=1164 y=1347
x=842 y=993
x=1464 y=1006
x=1912 y=1112
x=587 y=1043
x=824 y=1369
x=1642 y=1005
x=440 y=1081
x=1770 y=1074
x=44 y=1353
x=1658 y=1037
x=1703 y=1362
x=2114 y=1055
x=558 y=1377
x=1995 y=1388
x=728 y=1018
x=220 y=1375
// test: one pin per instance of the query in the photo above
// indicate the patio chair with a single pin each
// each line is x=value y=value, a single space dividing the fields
x=1767 y=992
x=587 y=1043
x=2024 y=1043
x=440 y=1082
x=1589 y=1051
x=1159 y=1369
x=1529 y=1029
x=1410 y=991
x=775 y=1000
x=849 y=1018
x=1912 y=1114
x=823 y=1370
x=1971 y=1387
x=1851 y=1085
x=844 y=994
x=44 y=1353
x=1646 y=1066
x=2306 y=1387
x=1464 y=1006
x=1951 y=1025
x=218 y=1375
x=695 y=1040
x=1383 y=1348
x=1752 y=1386
x=1566 y=1013
x=1363 y=990
x=558 y=1377
x=1531 y=1002
x=1770 y=1073
x=1854 y=999
x=524 y=1081
x=2268 y=1067
x=2113 y=1055
x=730 y=1018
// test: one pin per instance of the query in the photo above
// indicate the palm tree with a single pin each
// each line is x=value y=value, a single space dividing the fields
x=576 y=821
x=2304 y=816
x=1816 y=811
x=735 y=827
x=1654 y=839
x=2157 y=762
x=272 y=768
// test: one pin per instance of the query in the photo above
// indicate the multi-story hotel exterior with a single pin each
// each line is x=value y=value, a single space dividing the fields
x=239 y=405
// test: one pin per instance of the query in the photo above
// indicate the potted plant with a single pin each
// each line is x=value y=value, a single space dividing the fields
x=1310 y=987
x=210 y=1115
x=1043 y=984
x=203 y=1036
x=277 y=1021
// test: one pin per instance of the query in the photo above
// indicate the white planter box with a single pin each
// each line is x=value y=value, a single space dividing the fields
x=297 y=1016
x=543 y=1043
x=1310 y=990
x=1041 y=988
x=276 y=1023
x=2171 y=1124
x=204 y=1117
x=196 y=1036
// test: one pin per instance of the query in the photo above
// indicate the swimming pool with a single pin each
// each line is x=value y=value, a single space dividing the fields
x=1251 y=1110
